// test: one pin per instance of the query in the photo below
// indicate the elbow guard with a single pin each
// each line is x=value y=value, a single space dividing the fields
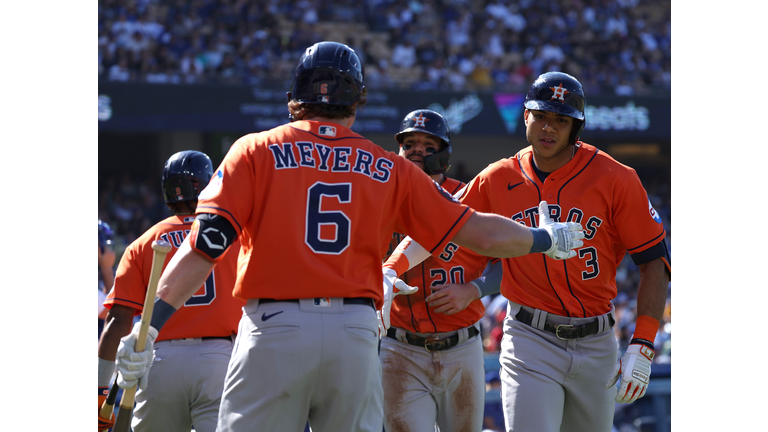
x=212 y=235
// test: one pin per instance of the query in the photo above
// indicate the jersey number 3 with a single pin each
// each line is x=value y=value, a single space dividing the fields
x=317 y=238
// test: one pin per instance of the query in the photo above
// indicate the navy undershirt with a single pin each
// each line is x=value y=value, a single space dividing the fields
x=539 y=173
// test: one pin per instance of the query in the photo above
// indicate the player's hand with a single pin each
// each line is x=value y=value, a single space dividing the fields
x=133 y=367
x=451 y=298
x=634 y=369
x=393 y=286
x=104 y=424
x=565 y=236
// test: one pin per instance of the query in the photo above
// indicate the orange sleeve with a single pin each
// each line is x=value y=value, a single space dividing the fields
x=231 y=190
x=431 y=216
x=130 y=288
x=639 y=225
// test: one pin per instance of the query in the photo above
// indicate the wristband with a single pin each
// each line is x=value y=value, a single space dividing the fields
x=161 y=313
x=644 y=342
x=106 y=370
x=646 y=328
x=542 y=242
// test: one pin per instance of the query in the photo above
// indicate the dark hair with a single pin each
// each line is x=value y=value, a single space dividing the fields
x=300 y=110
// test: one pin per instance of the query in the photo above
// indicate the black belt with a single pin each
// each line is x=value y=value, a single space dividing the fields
x=229 y=338
x=564 y=331
x=353 y=300
x=432 y=343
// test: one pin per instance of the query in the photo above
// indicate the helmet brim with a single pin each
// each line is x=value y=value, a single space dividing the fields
x=555 y=107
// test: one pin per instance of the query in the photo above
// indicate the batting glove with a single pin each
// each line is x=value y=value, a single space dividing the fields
x=565 y=236
x=391 y=281
x=634 y=369
x=132 y=366
x=104 y=424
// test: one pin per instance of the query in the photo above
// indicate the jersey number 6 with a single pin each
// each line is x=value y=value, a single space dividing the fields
x=317 y=218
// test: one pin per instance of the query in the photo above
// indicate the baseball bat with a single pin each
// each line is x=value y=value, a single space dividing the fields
x=161 y=249
x=109 y=402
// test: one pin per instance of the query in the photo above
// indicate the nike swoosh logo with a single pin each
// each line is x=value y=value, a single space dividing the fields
x=265 y=317
x=511 y=186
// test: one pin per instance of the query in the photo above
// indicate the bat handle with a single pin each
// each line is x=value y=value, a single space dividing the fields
x=109 y=403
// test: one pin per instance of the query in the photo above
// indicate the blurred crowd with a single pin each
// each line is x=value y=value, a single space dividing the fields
x=613 y=46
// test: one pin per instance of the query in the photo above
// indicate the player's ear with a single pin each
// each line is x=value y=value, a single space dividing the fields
x=525 y=116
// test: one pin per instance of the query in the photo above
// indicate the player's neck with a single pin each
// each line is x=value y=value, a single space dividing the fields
x=552 y=164
x=438 y=178
x=347 y=122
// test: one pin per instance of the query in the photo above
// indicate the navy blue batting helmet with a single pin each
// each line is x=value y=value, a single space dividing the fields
x=561 y=93
x=105 y=234
x=328 y=73
x=432 y=123
x=185 y=175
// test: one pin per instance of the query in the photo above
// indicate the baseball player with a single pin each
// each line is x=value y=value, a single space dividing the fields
x=558 y=353
x=328 y=199
x=192 y=351
x=432 y=357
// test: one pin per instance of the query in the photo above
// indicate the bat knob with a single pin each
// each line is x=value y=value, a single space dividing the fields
x=161 y=245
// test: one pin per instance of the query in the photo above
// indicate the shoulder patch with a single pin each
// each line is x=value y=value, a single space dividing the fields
x=213 y=187
x=653 y=212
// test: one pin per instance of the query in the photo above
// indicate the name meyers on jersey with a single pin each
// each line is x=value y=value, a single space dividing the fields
x=343 y=159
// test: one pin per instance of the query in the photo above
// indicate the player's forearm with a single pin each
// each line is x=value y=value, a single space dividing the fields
x=495 y=236
x=406 y=256
x=652 y=290
x=116 y=325
x=183 y=277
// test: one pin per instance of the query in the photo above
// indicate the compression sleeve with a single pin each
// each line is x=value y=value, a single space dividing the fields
x=490 y=281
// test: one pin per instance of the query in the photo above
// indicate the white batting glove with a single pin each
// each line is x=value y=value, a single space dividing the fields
x=634 y=369
x=565 y=236
x=133 y=367
x=391 y=281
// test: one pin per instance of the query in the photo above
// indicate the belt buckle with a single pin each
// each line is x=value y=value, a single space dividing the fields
x=557 y=330
x=435 y=343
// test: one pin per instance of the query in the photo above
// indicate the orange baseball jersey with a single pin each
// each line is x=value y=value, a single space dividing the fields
x=606 y=197
x=453 y=265
x=315 y=206
x=212 y=311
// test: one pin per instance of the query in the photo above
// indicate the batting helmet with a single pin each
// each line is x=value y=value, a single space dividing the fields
x=185 y=175
x=328 y=73
x=105 y=234
x=561 y=93
x=429 y=122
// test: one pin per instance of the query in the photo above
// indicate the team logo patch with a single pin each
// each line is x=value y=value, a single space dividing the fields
x=213 y=187
x=653 y=212
x=420 y=120
x=559 y=92
x=327 y=131
x=323 y=301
